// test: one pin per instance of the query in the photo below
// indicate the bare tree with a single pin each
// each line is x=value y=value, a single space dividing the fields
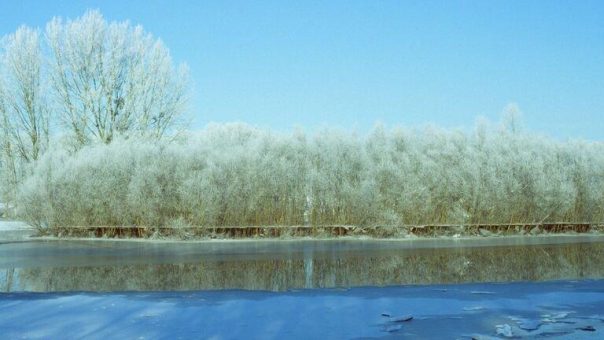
x=112 y=79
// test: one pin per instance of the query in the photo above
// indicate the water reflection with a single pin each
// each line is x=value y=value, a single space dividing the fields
x=310 y=265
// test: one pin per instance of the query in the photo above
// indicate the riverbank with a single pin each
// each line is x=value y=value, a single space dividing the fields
x=20 y=231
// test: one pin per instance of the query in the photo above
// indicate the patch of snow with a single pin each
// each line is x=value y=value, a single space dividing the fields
x=13 y=225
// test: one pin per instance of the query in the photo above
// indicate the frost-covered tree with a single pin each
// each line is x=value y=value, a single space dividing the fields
x=512 y=119
x=112 y=79
x=24 y=108
x=24 y=114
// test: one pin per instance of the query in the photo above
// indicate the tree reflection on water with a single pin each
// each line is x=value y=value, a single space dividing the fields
x=310 y=270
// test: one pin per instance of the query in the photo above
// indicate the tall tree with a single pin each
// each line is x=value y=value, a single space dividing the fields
x=24 y=115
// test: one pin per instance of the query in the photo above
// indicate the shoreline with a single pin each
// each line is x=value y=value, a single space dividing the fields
x=418 y=242
x=494 y=240
x=322 y=231
x=19 y=231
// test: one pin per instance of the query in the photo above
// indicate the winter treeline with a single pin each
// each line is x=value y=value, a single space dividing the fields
x=85 y=104
x=234 y=174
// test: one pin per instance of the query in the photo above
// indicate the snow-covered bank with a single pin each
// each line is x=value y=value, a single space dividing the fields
x=15 y=230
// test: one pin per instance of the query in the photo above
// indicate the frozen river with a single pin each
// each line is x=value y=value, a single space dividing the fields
x=498 y=287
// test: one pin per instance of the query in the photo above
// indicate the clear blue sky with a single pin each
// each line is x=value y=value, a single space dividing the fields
x=352 y=63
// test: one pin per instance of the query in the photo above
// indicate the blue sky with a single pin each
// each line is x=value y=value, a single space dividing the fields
x=350 y=64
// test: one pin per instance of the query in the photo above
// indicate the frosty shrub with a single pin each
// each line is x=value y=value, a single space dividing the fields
x=234 y=174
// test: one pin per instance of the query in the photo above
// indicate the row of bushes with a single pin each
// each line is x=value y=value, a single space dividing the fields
x=234 y=174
